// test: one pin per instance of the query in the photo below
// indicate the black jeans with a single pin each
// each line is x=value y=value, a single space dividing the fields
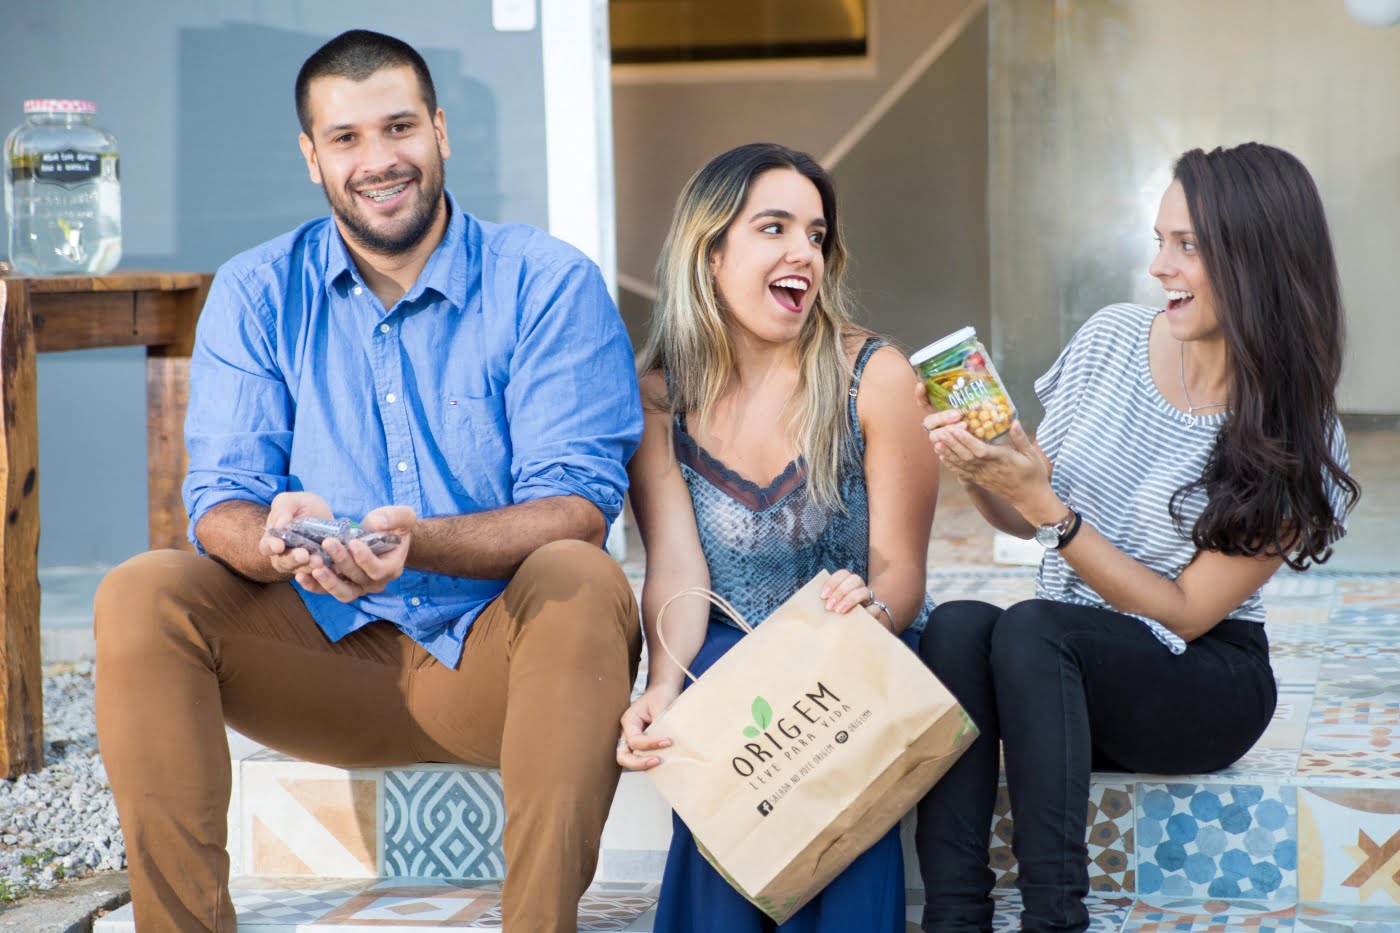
x=1067 y=689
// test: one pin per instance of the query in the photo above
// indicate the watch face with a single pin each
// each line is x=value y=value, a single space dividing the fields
x=1047 y=536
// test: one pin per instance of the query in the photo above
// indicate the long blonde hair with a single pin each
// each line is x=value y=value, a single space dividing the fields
x=689 y=338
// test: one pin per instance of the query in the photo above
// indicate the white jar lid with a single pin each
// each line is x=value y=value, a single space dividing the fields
x=938 y=346
x=59 y=105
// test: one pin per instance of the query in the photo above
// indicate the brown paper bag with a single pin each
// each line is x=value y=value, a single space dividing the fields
x=802 y=746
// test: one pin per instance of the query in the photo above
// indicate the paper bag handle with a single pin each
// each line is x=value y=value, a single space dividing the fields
x=714 y=599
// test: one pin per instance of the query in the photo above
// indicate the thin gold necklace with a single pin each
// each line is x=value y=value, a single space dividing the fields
x=1192 y=409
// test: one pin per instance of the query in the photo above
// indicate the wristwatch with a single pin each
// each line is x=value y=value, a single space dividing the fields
x=1053 y=537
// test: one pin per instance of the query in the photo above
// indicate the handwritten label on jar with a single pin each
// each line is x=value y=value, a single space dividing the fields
x=66 y=167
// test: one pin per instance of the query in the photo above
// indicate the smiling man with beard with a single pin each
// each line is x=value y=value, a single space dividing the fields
x=465 y=386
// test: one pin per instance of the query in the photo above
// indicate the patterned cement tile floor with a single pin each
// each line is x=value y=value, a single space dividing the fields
x=1312 y=814
x=414 y=905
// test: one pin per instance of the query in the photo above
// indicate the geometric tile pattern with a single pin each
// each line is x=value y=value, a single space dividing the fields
x=1107 y=913
x=1310 y=814
x=1108 y=833
x=270 y=906
x=604 y=910
x=1357 y=763
x=1003 y=859
x=404 y=905
x=1317 y=918
x=1110 y=839
x=1208 y=917
x=410 y=903
x=1218 y=841
x=1260 y=764
x=1351 y=840
x=446 y=823
x=407 y=905
x=307 y=819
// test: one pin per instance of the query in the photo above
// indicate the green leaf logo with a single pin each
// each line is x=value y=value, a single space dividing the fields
x=762 y=712
x=762 y=716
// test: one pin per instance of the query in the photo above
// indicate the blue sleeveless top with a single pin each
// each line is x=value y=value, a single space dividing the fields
x=763 y=544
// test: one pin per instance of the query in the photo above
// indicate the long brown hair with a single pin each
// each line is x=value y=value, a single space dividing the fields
x=1264 y=239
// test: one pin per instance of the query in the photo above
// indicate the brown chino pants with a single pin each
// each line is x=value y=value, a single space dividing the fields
x=184 y=646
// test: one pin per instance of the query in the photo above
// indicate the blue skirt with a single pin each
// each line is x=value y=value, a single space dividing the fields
x=867 y=897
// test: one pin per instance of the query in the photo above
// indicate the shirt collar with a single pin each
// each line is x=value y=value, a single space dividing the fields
x=444 y=273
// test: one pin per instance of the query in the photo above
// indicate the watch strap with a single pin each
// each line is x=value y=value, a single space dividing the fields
x=1075 y=521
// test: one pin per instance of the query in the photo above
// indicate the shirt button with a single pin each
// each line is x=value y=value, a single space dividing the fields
x=359 y=290
x=415 y=600
x=403 y=467
x=390 y=398
x=384 y=328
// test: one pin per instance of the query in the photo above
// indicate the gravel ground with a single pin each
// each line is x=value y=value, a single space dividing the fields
x=61 y=822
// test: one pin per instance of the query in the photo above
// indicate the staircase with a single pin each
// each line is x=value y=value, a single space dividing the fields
x=1303 y=834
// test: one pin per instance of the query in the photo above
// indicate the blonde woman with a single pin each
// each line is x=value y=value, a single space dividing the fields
x=780 y=440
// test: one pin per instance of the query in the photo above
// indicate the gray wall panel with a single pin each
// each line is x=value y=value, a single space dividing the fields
x=200 y=98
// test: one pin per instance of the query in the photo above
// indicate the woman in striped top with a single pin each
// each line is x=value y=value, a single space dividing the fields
x=1185 y=455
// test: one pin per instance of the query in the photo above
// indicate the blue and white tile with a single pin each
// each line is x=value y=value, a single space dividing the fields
x=1107 y=913
x=444 y=822
x=1218 y=841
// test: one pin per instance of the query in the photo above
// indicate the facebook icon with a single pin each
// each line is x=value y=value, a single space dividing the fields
x=765 y=808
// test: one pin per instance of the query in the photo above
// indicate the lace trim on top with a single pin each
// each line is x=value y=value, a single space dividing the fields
x=745 y=491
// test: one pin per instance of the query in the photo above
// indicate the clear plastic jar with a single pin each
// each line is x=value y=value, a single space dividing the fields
x=958 y=373
x=62 y=191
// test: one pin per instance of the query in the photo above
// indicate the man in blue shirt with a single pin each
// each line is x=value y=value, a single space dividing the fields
x=466 y=386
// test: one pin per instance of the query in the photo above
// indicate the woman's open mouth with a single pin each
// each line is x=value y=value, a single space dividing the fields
x=789 y=292
x=1177 y=300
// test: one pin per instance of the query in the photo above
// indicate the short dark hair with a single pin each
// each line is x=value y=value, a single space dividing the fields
x=356 y=55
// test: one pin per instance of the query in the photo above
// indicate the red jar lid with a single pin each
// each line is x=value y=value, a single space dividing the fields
x=55 y=105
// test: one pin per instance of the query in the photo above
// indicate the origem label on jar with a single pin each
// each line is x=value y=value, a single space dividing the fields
x=965 y=393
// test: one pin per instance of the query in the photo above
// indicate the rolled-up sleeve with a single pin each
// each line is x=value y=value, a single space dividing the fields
x=572 y=405
x=238 y=429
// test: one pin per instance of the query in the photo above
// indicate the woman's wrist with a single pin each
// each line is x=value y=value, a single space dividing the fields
x=1043 y=509
x=669 y=681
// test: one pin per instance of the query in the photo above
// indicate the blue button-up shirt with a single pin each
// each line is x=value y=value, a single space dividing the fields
x=502 y=376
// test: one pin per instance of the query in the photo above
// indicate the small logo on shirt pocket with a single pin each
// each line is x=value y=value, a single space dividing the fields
x=479 y=419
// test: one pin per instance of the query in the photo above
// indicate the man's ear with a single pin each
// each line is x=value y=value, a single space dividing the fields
x=440 y=129
x=308 y=152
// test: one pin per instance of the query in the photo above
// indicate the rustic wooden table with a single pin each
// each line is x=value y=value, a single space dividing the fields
x=156 y=310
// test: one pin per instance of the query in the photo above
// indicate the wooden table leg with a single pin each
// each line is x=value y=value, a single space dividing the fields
x=21 y=677
x=167 y=397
